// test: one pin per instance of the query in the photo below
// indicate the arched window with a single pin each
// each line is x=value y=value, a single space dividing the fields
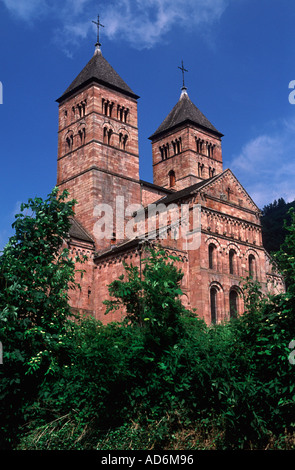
x=110 y=133
x=105 y=135
x=172 y=180
x=200 y=169
x=213 y=304
x=251 y=261
x=211 y=255
x=82 y=134
x=125 y=142
x=233 y=303
x=84 y=103
x=232 y=255
x=69 y=142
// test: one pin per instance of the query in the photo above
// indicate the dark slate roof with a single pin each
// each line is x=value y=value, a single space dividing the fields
x=156 y=187
x=100 y=71
x=77 y=231
x=182 y=193
x=184 y=112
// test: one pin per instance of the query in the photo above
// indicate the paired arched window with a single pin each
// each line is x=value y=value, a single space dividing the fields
x=122 y=113
x=177 y=146
x=123 y=141
x=164 y=150
x=107 y=135
x=201 y=169
x=211 y=172
x=107 y=107
x=69 y=142
x=172 y=180
x=82 y=135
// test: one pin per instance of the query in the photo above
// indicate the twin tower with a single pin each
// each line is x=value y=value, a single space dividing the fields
x=98 y=163
x=98 y=157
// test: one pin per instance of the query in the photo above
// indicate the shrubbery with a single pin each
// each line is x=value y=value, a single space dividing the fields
x=160 y=379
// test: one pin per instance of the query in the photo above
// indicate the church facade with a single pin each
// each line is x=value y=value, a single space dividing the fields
x=195 y=209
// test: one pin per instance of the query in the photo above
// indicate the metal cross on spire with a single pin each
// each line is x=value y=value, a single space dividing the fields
x=183 y=70
x=98 y=24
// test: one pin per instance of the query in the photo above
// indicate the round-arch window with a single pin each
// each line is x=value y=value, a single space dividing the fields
x=233 y=303
x=213 y=304
x=232 y=254
x=211 y=251
x=251 y=260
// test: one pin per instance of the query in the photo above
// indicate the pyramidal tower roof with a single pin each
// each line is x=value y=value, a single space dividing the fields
x=98 y=70
x=184 y=112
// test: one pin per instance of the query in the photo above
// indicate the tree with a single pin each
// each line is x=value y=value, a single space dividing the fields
x=36 y=274
x=272 y=220
x=151 y=296
x=286 y=255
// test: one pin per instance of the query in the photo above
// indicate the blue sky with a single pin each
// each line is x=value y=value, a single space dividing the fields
x=240 y=59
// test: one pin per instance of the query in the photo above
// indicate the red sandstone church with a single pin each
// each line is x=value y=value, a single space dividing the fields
x=98 y=163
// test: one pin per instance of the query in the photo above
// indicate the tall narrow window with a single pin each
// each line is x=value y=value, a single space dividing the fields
x=211 y=172
x=105 y=135
x=84 y=108
x=172 y=180
x=126 y=112
x=124 y=141
x=179 y=146
x=200 y=169
x=251 y=261
x=233 y=304
x=69 y=142
x=211 y=254
x=174 y=147
x=106 y=105
x=110 y=133
x=232 y=254
x=82 y=134
x=213 y=304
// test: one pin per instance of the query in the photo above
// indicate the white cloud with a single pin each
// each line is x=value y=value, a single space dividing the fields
x=266 y=164
x=26 y=9
x=141 y=23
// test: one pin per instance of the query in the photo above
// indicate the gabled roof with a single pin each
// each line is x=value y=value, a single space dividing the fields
x=193 y=189
x=98 y=70
x=184 y=112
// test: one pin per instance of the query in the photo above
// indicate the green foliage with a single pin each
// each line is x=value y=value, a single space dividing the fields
x=161 y=378
x=273 y=218
x=36 y=273
x=152 y=298
x=285 y=257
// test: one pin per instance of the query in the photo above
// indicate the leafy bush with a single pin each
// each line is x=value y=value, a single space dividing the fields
x=161 y=378
x=36 y=273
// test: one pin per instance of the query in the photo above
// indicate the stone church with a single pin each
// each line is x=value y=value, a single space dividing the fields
x=98 y=163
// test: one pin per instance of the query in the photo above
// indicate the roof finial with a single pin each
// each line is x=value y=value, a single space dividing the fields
x=183 y=70
x=98 y=24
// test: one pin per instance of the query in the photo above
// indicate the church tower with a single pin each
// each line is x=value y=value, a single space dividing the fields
x=186 y=147
x=98 y=156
